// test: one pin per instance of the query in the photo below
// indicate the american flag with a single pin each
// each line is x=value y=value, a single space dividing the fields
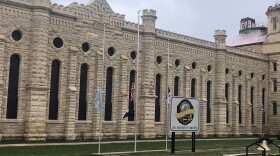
x=132 y=92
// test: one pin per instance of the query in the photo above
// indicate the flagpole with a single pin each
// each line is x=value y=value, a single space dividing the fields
x=103 y=57
x=137 y=86
x=167 y=98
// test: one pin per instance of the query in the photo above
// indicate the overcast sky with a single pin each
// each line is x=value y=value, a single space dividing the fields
x=196 y=18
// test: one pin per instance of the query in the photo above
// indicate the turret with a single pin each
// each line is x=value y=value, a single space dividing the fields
x=220 y=38
x=273 y=16
x=149 y=20
x=273 y=28
x=42 y=3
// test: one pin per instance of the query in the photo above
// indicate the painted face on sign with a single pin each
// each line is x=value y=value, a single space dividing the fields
x=185 y=112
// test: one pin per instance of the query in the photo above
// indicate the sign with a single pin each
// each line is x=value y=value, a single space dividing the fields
x=184 y=114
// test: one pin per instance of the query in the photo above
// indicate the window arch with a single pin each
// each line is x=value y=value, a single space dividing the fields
x=193 y=87
x=109 y=89
x=227 y=99
x=252 y=105
x=209 y=89
x=54 y=85
x=176 y=86
x=12 y=105
x=83 y=93
x=130 y=100
x=240 y=103
x=157 y=100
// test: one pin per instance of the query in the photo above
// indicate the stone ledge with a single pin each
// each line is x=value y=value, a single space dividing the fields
x=132 y=123
x=83 y=122
x=55 y=122
x=109 y=122
x=11 y=120
x=160 y=123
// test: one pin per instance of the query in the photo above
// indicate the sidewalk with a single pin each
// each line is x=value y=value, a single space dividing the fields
x=107 y=142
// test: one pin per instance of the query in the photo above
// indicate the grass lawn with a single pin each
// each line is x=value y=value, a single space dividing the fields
x=203 y=148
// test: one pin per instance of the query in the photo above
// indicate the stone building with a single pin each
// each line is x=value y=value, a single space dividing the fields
x=51 y=64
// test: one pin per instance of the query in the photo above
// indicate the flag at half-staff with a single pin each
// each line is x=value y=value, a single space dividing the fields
x=168 y=96
x=98 y=100
x=130 y=112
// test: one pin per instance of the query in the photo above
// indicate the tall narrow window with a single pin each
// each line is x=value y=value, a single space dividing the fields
x=227 y=106
x=274 y=108
x=53 y=104
x=252 y=105
x=131 y=99
x=240 y=103
x=274 y=65
x=157 y=100
x=274 y=23
x=193 y=88
x=12 y=104
x=176 y=86
x=274 y=86
x=263 y=110
x=109 y=89
x=83 y=93
x=208 y=102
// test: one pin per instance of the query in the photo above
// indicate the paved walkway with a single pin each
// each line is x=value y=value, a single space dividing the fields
x=107 y=142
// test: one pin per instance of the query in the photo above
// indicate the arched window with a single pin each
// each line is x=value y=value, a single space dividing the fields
x=12 y=104
x=53 y=103
x=157 y=100
x=227 y=99
x=240 y=103
x=131 y=100
x=176 y=86
x=83 y=93
x=193 y=88
x=109 y=89
x=263 y=103
x=252 y=105
x=208 y=102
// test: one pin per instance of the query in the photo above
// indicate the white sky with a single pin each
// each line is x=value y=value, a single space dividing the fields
x=196 y=18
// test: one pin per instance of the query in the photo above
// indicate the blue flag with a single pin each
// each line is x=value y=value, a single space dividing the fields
x=97 y=100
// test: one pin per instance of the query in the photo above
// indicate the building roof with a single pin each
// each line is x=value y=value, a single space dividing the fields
x=247 y=39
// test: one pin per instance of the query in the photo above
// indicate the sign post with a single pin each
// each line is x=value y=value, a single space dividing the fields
x=184 y=117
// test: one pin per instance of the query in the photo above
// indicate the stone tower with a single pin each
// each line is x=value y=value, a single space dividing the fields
x=37 y=81
x=147 y=93
x=273 y=36
x=219 y=109
x=272 y=48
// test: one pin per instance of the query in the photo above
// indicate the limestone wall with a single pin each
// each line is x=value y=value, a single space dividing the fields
x=76 y=25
